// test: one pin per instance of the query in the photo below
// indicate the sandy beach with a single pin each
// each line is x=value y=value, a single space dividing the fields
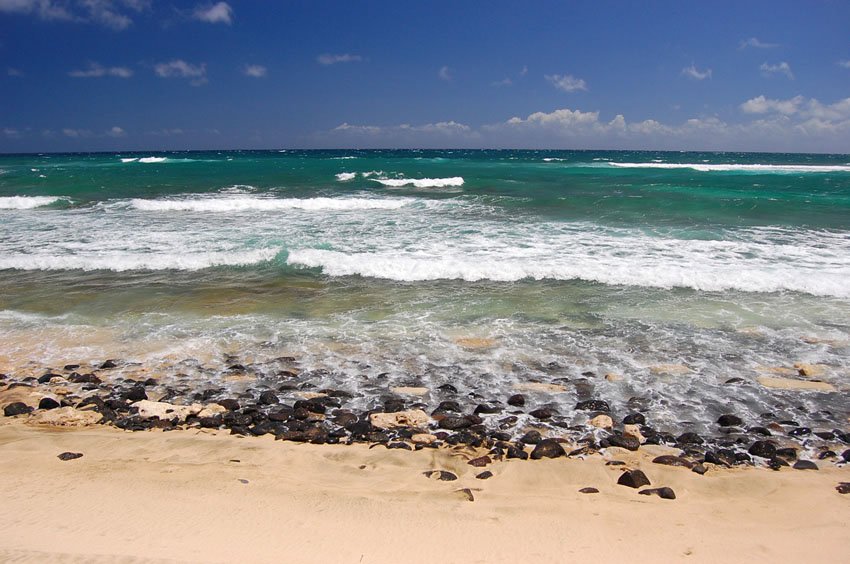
x=205 y=496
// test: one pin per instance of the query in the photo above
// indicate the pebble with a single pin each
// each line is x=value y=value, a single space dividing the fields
x=843 y=487
x=69 y=455
x=480 y=462
x=633 y=479
x=663 y=492
x=442 y=475
x=484 y=475
x=588 y=490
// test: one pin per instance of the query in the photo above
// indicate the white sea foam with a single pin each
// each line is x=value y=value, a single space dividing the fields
x=27 y=202
x=121 y=262
x=268 y=204
x=346 y=176
x=755 y=168
x=129 y=159
x=552 y=159
x=421 y=182
x=147 y=160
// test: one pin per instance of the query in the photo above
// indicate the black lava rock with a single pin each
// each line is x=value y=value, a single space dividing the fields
x=47 y=378
x=689 y=439
x=669 y=460
x=484 y=475
x=805 y=465
x=136 y=393
x=109 y=364
x=268 y=398
x=588 y=490
x=593 y=405
x=730 y=421
x=442 y=475
x=763 y=449
x=787 y=453
x=542 y=413
x=800 y=432
x=448 y=405
x=663 y=493
x=634 y=419
x=69 y=455
x=516 y=452
x=622 y=441
x=48 y=403
x=487 y=409
x=531 y=438
x=16 y=408
x=699 y=469
x=633 y=479
x=548 y=448
x=447 y=388
x=843 y=487
x=453 y=423
x=763 y=431
x=517 y=400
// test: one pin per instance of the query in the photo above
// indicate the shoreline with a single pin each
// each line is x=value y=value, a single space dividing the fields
x=181 y=496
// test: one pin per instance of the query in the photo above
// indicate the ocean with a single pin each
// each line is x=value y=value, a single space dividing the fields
x=672 y=283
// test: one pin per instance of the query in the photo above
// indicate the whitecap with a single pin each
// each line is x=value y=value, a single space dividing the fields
x=148 y=160
x=754 y=168
x=421 y=182
x=27 y=202
x=267 y=204
x=346 y=176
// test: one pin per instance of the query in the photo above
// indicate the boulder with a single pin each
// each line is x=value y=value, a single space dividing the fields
x=65 y=417
x=764 y=449
x=16 y=408
x=411 y=418
x=410 y=391
x=547 y=448
x=517 y=400
x=729 y=420
x=633 y=479
x=602 y=422
x=633 y=431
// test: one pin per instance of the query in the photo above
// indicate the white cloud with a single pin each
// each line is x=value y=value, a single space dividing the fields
x=781 y=68
x=44 y=9
x=13 y=72
x=696 y=74
x=255 y=71
x=524 y=70
x=76 y=133
x=756 y=43
x=331 y=59
x=845 y=64
x=444 y=73
x=567 y=82
x=178 y=68
x=11 y=132
x=166 y=132
x=503 y=82
x=215 y=13
x=108 y=13
x=762 y=105
x=96 y=70
x=116 y=131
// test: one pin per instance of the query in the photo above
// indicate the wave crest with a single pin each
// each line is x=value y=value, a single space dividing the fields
x=267 y=204
x=421 y=182
x=28 y=202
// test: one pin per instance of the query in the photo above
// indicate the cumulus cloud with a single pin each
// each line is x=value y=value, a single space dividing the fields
x=781 y=68
x=108 y=13
x=845 y=64
x=696 y=74
x=504 y=82
x=178 y=68
x=255 y=71
x=116 y=131
x=444 y=73
x=76 y=133
x=756 y=43
x=566 y=82
x=96 y=70
x=11 y=132
x=220 y=12
x=762 y=105
x=331 y=59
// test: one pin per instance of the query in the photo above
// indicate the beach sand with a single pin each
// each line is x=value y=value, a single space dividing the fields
x=205 y=496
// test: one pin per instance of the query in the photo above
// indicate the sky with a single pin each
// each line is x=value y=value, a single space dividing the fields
x=119 y=75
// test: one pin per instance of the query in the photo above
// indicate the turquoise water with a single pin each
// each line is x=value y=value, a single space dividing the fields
x=373 y=267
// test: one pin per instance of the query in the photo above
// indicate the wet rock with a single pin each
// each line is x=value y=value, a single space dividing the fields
x=48 y=403
x=776 y=463
x=413 y=418
x=517 y=400
x=71 y=367
x=615 y=463
x=634 y=419
x=448 y=405
x=669 y=460
x=633 y=479
x=827 y=454
x=846 y=455
x=400 y=445
x=547 y=448
x=441 y=475
x=663 y=493
x=689 y=439
x=763 y=449
x=602 y=422
x=805 y=465
x=268 y=398
x=109 y=364
x=588 y=490
x=763 y=431
x=800 y=432
x=542 y=413
x=447 y=388
x=593 y=405
x=84 y=379
x=825 y=435
x=16 y=408
x=729 y=420
x=787 y=453
x=48 y=377
x=629 y=443
x=136 y=393
x=633 y=431
x=69 y=456
x=735 y=380
x=453 y=423
x=480 y=462
x=484 y=475
x=532 y=437
x=516 y=452
x=843 y=487
x=394 y=405
x=487 y=409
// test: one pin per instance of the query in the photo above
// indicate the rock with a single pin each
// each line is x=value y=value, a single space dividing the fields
x=689 y=439
x=487 y=409
x=634 y=419
x=699 y=469
x=412 y=418
x=588 y=490
x=633 y=479
x=542 y=413
x=516 y=452
x=789 y=384
x=71 y=367
x=453 y=423
x=165 y=411
x=66 y=417
x=268 y=398
x=447 y=388
x=229 y=404
x=670 y=369
x=810 y=370
x=669 y=460
x=484 y=475
x=843 y=487
x=465 y=493
x=531 y=438
x=805 y=465
x=16 y=408
x=539 y=387
x=517 y=400
x=633 y=431
x=48 y=403
x=109 y=364
x=799 y=432
x=48 y=377
x=762 y=449
x=442 y=475
x=399 y=444
x=136 y=393
x=423 y=439
x=776 y=463
x=84 y=379
x=611 y=377
x=730 y=421
x=787 y=453
x=211 y=410
x=846 y=455
x=548 y=448
x=448 y=405
x=622 y=441
x=763 y=431
x=410 y=391
x=663 y=493
x=69 y=455
x=480 y=462
x=593 y=405
x=602 y=422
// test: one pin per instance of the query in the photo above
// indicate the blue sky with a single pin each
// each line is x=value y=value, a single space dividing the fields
x=80 y=75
